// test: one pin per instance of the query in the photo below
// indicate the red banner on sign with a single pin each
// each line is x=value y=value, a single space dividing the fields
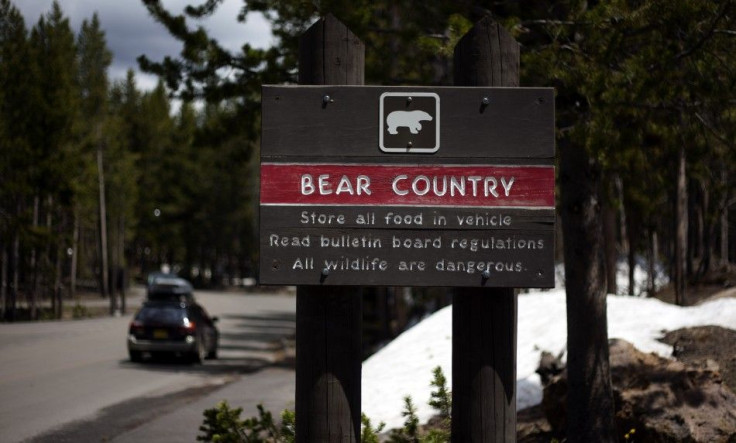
x=408 y=185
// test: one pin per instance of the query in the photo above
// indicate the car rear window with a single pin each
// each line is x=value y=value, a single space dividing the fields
x=167 y=314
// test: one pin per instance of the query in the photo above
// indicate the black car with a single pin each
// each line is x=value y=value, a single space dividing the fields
x=171 y=321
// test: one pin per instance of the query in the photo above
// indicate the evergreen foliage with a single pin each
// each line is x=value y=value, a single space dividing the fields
x=440 y=398
x=84 y=159
x=223 y=423
x=410 y=432
x=369 y=434
x=634 y=81
x=641 y=87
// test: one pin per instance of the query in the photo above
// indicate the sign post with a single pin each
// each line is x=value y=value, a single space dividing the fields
x=484 y=321
x=328 y=319
x=407 y=186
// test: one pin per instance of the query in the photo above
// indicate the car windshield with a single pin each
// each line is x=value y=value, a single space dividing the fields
x=165 y=314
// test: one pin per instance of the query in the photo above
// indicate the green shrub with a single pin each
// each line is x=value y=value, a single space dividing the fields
x=410 y=432
x=222 y=424
x=440 y=399
x=288 y=426
x=80 y=311
x=369 y=434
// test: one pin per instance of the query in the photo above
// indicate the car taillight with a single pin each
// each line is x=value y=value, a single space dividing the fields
x=188 y=328
x=136 y=327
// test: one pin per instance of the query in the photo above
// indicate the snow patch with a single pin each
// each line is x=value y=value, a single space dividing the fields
x=404 y=367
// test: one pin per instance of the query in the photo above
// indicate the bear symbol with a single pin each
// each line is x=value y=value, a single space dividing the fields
x=407 y=119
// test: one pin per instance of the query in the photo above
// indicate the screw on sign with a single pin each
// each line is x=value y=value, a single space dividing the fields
x=408 y=186
x=449 y=178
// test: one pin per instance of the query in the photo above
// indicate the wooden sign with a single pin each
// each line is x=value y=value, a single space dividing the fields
x=381 y=186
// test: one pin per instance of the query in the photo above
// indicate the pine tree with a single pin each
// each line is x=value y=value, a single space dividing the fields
x=122 y=177
x=629 y=79
x=54 y=154
x=94 y=61
x=156 y=230
x=16 y=69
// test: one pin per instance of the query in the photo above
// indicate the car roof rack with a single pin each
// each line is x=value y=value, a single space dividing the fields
x=169 y=287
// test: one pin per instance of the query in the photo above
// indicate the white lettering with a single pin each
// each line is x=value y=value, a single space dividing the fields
x=395 y=185
x=344 y=186
x=457 y=185
x=324 y=185
x=315 y=218
x=492 y=188
x=436 y=190
x=307 y=184
x=362 y=184
x=474 y=179
x=507 y=185
x=415 y=185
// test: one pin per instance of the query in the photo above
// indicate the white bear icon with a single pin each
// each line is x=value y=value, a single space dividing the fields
x=406 y=119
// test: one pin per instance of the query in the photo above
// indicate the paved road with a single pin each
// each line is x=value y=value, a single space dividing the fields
x=72 y=381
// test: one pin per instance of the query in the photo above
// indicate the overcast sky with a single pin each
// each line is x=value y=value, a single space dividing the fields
x=130 y=31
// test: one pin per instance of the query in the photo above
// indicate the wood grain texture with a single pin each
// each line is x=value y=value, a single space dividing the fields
x=484 y=320
x=516 y=124
x=329 y=353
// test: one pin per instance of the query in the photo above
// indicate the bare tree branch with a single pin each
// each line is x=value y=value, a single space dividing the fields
x=712 y=130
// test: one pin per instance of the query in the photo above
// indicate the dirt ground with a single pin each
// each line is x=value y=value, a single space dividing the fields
x=692 y=345
x=717 y=284
x=697 y=345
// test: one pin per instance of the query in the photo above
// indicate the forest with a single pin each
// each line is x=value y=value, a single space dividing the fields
x=103 y=182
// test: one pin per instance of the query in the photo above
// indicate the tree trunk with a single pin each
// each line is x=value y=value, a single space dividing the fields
x=114 y=267
x=724 y=220
x=681 y=230
x=103 y=232
x=724 y=237
x=707 y=232
x=11 y=307
x=623 y=235
x=123 y=264
x=32 y=293
x=590 y=404
x=633 y=230
x=632 y=263
x=47 y=254
x=653 y=255
x=75 y=254
x=609 y=232
x=3 y=279
x=57 y=290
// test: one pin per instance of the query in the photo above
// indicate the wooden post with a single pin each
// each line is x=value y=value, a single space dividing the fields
x=484 y=320
x=328 y=325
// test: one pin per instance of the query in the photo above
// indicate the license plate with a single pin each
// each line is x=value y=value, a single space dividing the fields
x=160 y=333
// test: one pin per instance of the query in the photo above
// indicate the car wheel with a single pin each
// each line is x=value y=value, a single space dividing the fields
x=200 y=353
x=135 y=356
